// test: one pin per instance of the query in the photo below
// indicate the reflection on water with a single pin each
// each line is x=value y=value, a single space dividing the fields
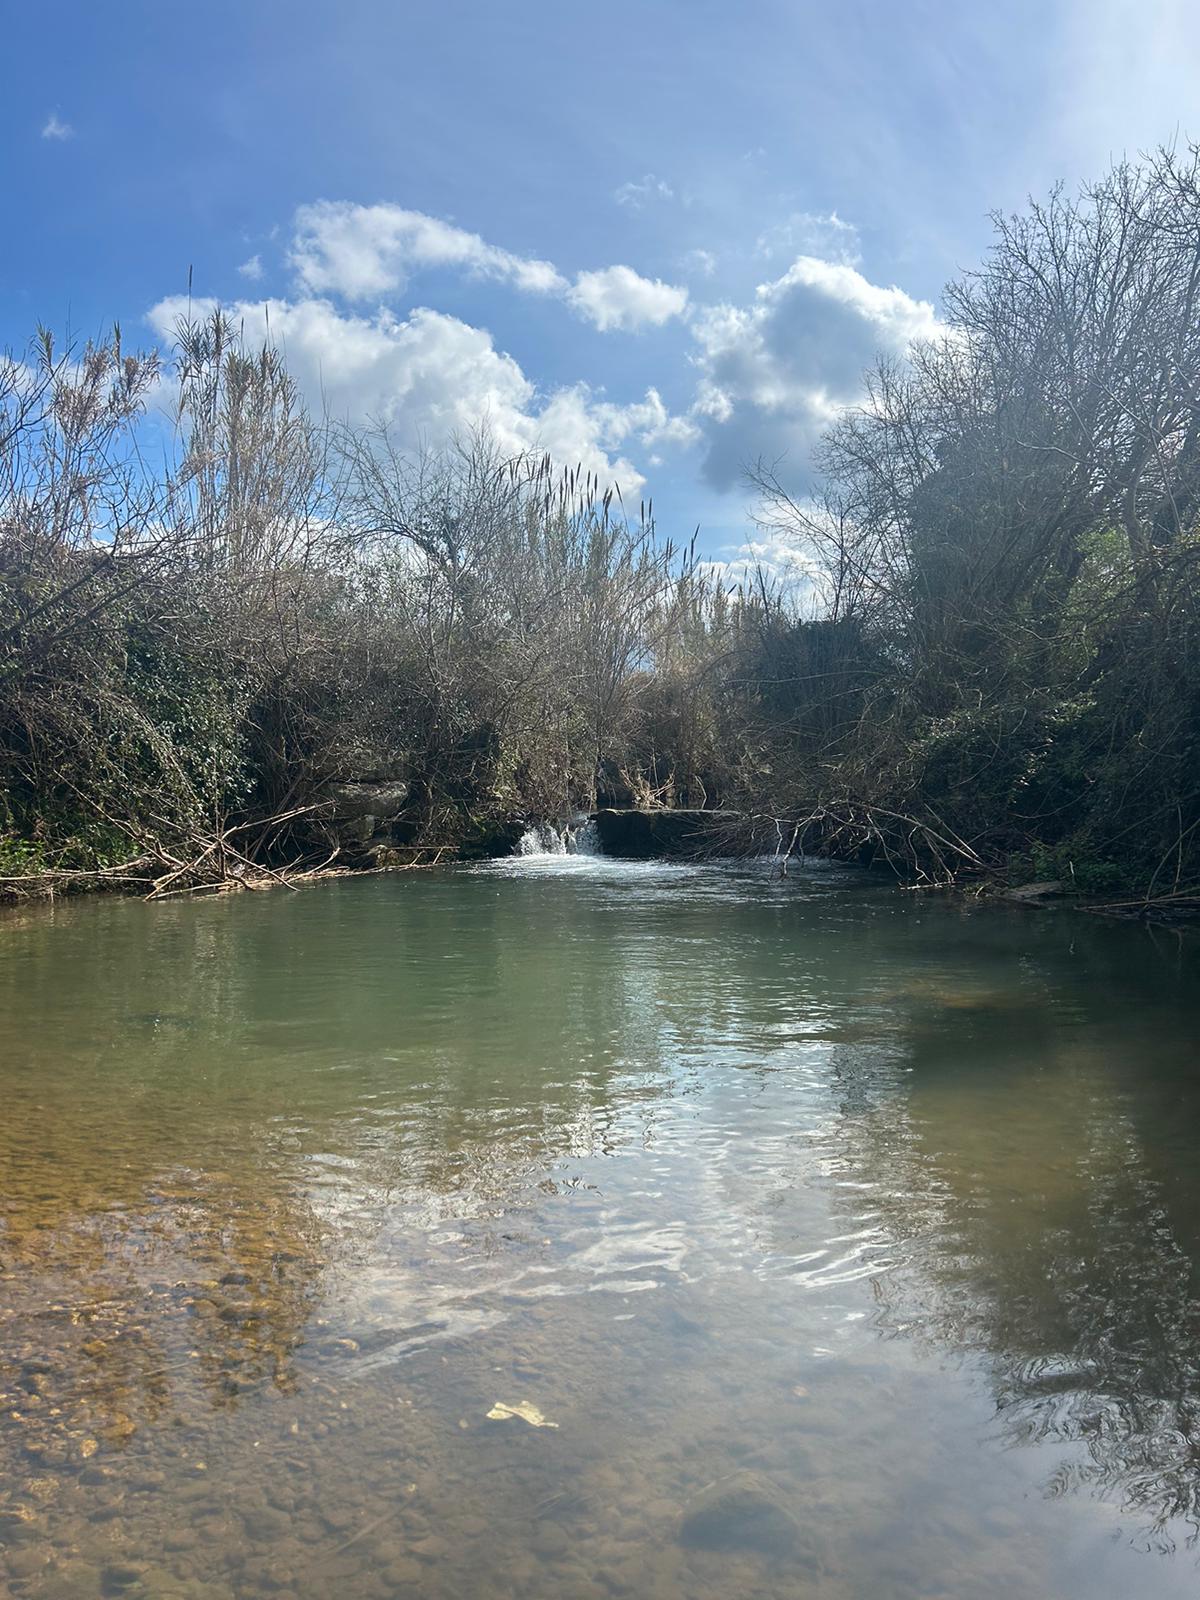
x=846 y=1244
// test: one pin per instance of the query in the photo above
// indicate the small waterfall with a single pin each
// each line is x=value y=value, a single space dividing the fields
x=542 y=840
x=578 y=837
x=584 y=838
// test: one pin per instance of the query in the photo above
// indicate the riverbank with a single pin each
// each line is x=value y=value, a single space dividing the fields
x=212 y=873
x=633 y=834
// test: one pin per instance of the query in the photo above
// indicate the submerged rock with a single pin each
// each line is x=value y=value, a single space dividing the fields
x=739 y=1512
x=119 y=1576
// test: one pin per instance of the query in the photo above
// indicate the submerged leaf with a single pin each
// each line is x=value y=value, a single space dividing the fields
x=527 y=1413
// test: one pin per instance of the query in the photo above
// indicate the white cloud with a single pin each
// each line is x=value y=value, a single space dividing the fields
x=776 y=373
x=431 y=377
x=647 y=420
x=635 y=195
x=252 y=269
x=770 y=374
x=365 y=252
x=619 y=297
x=55 y=128
x=812 y=234
x=701 y=262
x=780 y=560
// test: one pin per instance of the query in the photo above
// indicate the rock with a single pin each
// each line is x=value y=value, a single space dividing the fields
x=121 y=1575
x=431 y=1549
x=739 y=1512
x=18 y=1522
x=159 y=1583
x=264 y=1524
x=352 y=800
x=357 y=830
x=405 y=1573
x=1033 y=893
x=550 y=1540
x=364 y=812
x=619 y=1578
x=641 y=835
x=26 y=1562
x=74 y=1580
x=179 y=1539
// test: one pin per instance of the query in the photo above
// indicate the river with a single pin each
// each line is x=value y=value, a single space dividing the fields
x=572 y=1228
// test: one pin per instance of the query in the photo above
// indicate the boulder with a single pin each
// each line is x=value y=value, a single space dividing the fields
x=351 y=801
x=364 y=812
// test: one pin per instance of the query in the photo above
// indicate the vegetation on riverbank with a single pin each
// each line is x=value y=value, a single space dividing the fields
x=213 y=630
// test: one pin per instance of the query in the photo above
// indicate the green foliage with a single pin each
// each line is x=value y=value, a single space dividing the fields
x=20 y=857
x=198 y=712
x=1070 y=863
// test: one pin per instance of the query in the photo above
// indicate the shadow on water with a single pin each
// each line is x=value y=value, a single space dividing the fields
x=1032 y=1153
x=846 y=1244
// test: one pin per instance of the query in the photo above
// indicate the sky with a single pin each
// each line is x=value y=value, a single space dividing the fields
x=660 y=238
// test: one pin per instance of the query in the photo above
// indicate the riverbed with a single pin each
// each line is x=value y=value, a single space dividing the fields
x=570 y=1228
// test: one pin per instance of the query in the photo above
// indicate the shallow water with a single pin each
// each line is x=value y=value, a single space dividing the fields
x=880 y=1213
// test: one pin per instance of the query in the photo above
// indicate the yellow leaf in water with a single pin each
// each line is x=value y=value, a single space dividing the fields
x=88 y=1448
x=527 y=1413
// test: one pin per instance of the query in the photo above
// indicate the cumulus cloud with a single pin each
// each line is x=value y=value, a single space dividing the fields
x=431 y=377
x=55 y=128
x=364 y=252
x=619 y=297
x=774 y=374
x=769 y=374
x=634 y=195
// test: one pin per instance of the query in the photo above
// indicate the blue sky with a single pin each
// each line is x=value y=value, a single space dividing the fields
x=661 y=238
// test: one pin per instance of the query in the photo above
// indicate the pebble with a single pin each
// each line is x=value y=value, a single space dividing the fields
x=550 y=1540
x=404 y=1571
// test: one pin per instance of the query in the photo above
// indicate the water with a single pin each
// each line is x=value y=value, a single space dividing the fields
x=880 y=1213
x=579 y=837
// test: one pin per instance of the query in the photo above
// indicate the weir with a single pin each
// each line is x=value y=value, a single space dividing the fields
x=636 y=834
